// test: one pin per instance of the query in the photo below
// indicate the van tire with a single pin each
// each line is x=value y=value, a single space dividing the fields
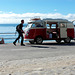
x=58 y=41
x=67 y=40
x=39 y=40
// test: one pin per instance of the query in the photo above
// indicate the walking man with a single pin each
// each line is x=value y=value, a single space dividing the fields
x=20 y=33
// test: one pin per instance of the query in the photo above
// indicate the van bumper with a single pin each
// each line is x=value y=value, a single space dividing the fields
x=28 y=39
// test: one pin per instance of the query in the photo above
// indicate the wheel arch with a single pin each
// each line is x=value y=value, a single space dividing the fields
x=38 y=36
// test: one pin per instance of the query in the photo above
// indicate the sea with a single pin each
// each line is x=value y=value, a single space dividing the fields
x=8 y=31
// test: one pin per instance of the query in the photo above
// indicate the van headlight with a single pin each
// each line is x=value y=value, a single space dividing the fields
x=27 y=33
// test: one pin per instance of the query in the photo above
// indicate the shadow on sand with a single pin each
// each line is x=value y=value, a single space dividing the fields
x=60 y=44
x=49 y=44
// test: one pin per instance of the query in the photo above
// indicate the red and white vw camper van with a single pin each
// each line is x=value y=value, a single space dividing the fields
x=38 y=30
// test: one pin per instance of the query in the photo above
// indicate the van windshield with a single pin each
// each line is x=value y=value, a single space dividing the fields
x=34 y=25
x=29 y=25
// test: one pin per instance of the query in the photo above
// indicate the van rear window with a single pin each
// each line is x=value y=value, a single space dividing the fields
x=53 y=26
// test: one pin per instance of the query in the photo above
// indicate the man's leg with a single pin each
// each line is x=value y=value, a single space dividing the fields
x=22 y=39
x=16 y=39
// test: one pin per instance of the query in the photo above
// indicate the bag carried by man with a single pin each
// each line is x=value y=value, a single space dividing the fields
x=17 y=27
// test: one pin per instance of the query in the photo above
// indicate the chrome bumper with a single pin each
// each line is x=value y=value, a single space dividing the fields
x=28 y=39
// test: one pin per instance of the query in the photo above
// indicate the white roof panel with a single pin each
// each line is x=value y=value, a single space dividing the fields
x=55 y=20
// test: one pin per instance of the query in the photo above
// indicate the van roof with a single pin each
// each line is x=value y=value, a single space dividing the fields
x=55 y=20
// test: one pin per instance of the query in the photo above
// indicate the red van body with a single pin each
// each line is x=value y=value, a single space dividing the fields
x=49 y=29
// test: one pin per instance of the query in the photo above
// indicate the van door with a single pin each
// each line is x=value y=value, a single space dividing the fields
x=63 y=30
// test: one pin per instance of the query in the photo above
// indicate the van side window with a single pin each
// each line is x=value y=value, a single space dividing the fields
x=53 y=26
x=48 y=26
x=63 y=25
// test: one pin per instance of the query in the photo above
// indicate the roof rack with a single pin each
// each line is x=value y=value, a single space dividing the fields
x=55 y=20
x=36 y=18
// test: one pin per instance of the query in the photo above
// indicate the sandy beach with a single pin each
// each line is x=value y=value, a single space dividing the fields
x=64 y=65
x=46 y=59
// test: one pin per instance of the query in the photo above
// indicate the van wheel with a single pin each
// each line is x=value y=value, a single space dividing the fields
x=31 y=42
x=67 y=40
x=39 y=40
x=58 y=41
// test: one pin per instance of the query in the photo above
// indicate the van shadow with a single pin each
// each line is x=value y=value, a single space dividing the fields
x=44 y=47
x=48 y=45
x=60 y=44
x=40 y=46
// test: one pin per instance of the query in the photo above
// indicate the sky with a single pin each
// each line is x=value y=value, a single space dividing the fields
x=12 y=11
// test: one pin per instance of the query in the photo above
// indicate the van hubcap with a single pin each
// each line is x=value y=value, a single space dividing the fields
x=67 y=40
x=39 y=40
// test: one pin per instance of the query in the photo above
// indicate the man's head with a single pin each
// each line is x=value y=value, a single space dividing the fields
x=22 y=21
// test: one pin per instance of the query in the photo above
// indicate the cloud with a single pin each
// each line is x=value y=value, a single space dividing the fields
x=15 y=18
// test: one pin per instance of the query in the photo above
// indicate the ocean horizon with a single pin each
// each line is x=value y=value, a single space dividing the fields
x=9 y=28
